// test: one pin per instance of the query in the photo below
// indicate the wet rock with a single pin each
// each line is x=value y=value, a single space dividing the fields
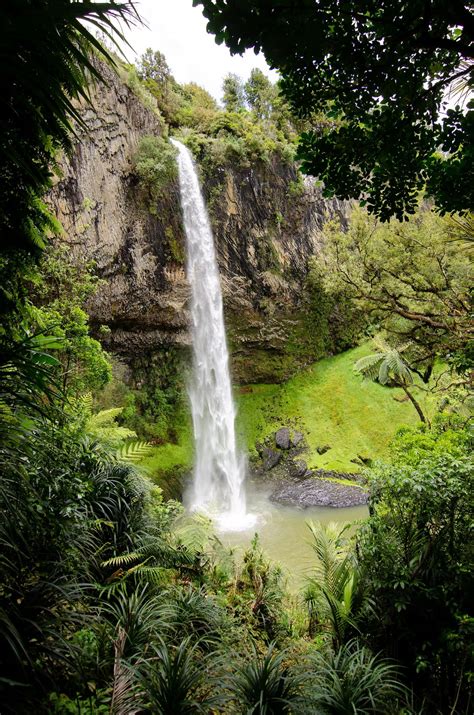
x=282 y=438
x=296 y=439
x=298 y=468
x=323 y=449
x=271 y=458
x=318 y=492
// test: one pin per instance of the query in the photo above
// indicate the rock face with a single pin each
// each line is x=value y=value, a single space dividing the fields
x=105 y=219
x=265 y=231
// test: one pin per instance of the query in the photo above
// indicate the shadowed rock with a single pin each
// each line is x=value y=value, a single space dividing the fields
x=323 y=449
x=298 y=468
x=270 y=458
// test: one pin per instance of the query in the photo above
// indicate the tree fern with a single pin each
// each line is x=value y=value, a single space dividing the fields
x=386 y=366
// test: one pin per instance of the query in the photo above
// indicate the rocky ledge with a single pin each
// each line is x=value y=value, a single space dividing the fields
x=280 y=465
x=318 y=491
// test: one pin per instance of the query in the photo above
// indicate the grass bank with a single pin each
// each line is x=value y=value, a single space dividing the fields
x=327 y=401
x=332 y=406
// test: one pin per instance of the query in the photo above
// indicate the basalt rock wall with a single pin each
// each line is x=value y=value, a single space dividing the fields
x=266 y=226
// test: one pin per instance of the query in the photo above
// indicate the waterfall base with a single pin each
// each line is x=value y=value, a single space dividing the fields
x=229 y=521
x=225 y=521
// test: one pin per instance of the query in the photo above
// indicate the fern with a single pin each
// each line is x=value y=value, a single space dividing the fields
x=123 y=559
x=104 y=418
x=333 y=591
x=133 y=451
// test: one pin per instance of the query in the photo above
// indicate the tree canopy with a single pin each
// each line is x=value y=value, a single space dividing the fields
x=380 y=69
x=410 y=278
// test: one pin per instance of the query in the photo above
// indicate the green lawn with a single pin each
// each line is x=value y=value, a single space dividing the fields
x=328 y=402
x=331 y=405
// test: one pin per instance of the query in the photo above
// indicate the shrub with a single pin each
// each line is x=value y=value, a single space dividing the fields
x=352 y=680
x=416 y=557
x=265 y=686
x=155 y=164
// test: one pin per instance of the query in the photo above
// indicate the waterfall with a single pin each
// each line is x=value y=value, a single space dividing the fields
x=219 y=472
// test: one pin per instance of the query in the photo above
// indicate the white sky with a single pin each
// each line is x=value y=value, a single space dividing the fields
x=178 y=29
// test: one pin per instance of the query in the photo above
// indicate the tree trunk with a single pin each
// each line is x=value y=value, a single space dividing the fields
x=415 y=405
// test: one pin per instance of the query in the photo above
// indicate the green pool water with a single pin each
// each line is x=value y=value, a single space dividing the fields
x=284 y=534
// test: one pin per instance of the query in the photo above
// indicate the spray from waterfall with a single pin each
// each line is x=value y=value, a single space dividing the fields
x=219 y=472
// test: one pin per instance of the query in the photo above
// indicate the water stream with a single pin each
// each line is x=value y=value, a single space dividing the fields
x=219 y=472
x=284 y=534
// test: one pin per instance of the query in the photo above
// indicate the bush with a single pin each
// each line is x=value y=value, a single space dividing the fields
x=155 y=164
x=352 y=680
x=416 y=557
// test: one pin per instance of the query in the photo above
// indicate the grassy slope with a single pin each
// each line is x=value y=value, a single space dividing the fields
x=167 y=462
x=327 y=401
x=332 y=406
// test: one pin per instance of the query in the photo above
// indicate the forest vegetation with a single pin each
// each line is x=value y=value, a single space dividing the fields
x=114 y=600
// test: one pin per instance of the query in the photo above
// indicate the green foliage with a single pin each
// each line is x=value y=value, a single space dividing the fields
x=260 y=94
x=330 y=406
x=409 y=278
x=352 y=680
x=264 y=582
x=333 y=595
x=155 y=408
x=134 y=451
x=131 y=78
x=59 y=291
x=233 y=93
x=388 y=367
x=176 y=681
x=333 y=320
x=61 y=704
x=236 y=136
x=198 y=110
x=378 y=71
x=264 y=686
x=153 y=66
x=235 y=139
x=416 y=559
x=62 y=502
x=155 y=164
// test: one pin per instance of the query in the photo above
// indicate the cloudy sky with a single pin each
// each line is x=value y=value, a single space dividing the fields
x=179 y=31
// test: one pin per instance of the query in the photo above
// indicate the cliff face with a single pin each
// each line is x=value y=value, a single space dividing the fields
x=266 y=225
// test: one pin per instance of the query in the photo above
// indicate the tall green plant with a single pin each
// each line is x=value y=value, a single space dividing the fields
x=265 y=686
x=333 y=594
x=176 y=680
x=416 y=561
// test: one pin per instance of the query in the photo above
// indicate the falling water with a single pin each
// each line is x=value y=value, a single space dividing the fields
x=219 y=472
